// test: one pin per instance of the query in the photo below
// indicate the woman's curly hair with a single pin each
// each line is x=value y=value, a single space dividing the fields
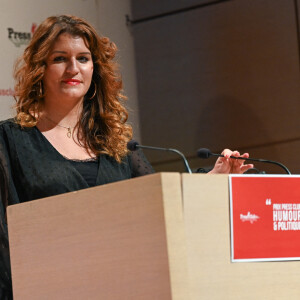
x=102 y=126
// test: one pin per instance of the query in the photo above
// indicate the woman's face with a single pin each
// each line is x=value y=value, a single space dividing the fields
x=69 y=70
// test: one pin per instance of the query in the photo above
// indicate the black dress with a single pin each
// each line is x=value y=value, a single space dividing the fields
x=31 y=168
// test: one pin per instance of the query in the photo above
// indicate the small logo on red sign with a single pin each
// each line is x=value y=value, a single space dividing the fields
x=249 y=217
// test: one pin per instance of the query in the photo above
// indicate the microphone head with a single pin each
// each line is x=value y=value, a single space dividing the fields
x=204 y=153
x=132 y=145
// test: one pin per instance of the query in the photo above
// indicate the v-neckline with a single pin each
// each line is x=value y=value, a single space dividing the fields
x=65 y=159
x=56 y=151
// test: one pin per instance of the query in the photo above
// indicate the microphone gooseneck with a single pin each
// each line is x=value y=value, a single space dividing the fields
x=206 y=153
x=134 y=145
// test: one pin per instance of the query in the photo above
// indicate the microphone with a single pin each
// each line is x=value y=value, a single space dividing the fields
x=134 y=145
x=206 y=153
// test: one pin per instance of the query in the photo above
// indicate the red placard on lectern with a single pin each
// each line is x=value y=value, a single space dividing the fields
x=265 y=217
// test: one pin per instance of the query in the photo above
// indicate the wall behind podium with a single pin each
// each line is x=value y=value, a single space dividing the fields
x=219 y=74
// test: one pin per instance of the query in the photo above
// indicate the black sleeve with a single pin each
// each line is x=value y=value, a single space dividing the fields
x=5 y=273
x=6 y=185
x=139 y=164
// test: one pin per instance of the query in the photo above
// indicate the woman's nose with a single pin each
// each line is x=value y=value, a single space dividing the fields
x=72 y=66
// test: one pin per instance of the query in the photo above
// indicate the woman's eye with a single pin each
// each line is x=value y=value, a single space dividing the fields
x=58 y=58
x=83 y=59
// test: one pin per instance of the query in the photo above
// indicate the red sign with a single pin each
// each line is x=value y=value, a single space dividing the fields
x=265 y=217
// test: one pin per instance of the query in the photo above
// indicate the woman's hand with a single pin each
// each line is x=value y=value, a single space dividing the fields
x=227 y=165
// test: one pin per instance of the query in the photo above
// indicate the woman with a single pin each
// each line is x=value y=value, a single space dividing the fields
x=70 y=129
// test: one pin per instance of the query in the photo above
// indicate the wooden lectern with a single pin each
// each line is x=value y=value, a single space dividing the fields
x=123 y=240
x=161 y=236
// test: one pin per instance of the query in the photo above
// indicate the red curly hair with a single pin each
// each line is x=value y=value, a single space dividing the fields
x=102 y=125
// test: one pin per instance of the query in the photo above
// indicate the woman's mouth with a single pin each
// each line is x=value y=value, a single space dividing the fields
x=71 y=81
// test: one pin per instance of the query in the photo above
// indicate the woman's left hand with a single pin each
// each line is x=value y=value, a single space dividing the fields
x=227 y=165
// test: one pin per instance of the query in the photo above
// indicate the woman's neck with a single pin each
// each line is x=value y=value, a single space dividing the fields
x=63 y=115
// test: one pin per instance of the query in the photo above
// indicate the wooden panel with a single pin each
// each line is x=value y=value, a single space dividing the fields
x=107 y=242
x=223 y=76
x=286 y=153
x=212 y=275
x=144 y=8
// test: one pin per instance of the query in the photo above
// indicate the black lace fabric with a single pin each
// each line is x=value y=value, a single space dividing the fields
x=5 y=273
x=31 y=168
x=140 y=166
